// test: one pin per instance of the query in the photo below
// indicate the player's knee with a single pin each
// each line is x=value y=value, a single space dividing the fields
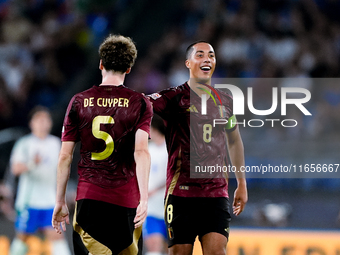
x=215 y=251
x=183 y=249
x=180 y=253
x=219 y=252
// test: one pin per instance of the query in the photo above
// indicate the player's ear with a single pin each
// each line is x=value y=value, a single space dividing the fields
x=101 y=67
x=187 y=64
x=128 y=70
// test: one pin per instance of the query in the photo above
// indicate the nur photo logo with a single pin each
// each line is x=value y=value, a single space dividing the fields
x=239 y=104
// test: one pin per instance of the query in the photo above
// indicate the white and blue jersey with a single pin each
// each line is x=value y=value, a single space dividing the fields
x=37 y=186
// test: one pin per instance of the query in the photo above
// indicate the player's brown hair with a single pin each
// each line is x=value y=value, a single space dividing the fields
x=36 y=109
x=118 y=53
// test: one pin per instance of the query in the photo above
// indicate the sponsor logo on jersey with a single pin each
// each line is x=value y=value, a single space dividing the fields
x=182 y=187
x=192 y=109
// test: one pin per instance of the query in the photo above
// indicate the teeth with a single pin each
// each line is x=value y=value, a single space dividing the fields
x=206 y=68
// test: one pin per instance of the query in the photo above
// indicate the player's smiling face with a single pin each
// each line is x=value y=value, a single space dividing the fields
x=201 y=62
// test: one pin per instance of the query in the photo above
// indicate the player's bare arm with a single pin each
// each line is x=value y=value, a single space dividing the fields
x=236 y=152
x=18 y=168
x=61 y=213
x=142 y=158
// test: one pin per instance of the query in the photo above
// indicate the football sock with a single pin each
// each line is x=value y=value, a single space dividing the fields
x=60 y=247
x=154 y=253
x=18 y=247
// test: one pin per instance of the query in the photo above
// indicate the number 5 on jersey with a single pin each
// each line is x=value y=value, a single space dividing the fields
x=97 y=133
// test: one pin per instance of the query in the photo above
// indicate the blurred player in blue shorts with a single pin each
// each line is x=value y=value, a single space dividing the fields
x=154 y=227
x=34 y=159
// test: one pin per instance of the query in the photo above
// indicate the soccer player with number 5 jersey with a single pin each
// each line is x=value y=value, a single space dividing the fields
x=112 y=123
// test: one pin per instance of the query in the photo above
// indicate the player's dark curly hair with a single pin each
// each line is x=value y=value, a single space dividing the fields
x=118 y=53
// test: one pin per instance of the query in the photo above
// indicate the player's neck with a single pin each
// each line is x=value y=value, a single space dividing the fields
x=113 y=79
x=40 y=135
x=195 y=85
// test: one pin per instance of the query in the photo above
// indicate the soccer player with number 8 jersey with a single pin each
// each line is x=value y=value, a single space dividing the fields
x=198 y=205
x=112 y=123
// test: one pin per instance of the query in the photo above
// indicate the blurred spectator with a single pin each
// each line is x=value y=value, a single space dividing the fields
x=17 y=79
x=5 y=105
x=327 y=119
x=15 y=27
x=253 y=38
x=272 y=214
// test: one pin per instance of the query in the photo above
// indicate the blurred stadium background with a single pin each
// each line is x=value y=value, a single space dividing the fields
x=48 y=52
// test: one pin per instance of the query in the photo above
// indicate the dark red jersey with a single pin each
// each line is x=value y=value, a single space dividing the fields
x=193 y=143
x=105 y=119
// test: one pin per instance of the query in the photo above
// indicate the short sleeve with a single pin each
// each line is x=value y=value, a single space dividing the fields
x=160 y=103
x=232 y=121
x=19 y=154
x=144 y=122
x=70 y=131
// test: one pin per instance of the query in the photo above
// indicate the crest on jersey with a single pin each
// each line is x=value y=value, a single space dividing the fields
x=210 y=94
x=155 y=96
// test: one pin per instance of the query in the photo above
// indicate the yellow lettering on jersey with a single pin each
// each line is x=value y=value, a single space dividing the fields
x=110 y=101
x=97 y=133
x=98 y=101
x=107 y=102
x=104 y=102
x=126 y=102
x=88 y=101
x=120 y=104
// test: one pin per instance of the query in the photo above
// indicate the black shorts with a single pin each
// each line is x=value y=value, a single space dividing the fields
x=104 y=228
x=189 y=217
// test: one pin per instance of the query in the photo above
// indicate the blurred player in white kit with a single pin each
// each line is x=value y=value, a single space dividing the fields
x=34 y=160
